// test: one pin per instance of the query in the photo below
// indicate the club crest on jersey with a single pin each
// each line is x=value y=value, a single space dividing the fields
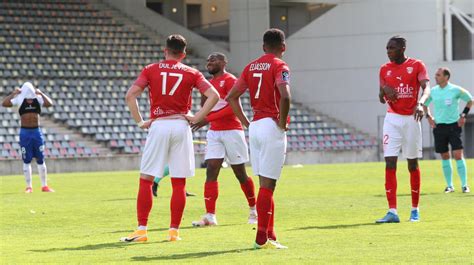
x=285 y=76
x=221 y=83
x=409 y=70
x=389 y=72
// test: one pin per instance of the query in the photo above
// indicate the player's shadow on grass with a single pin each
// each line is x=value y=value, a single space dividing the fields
x=407 y=194
x=342 y=226
x=195 y=255
x=166 y=229
x=112 y=245
x=120 y=199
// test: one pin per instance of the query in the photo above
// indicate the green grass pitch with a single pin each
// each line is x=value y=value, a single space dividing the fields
x=324 y=214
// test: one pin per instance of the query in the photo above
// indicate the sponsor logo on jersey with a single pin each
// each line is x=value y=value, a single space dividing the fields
x=285 y=76
x=405 y=91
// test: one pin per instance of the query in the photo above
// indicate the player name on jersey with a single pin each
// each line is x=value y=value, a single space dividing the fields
x=171 y=66
x=260 y=66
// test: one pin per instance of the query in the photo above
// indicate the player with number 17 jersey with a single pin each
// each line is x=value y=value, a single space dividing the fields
x=171 y=84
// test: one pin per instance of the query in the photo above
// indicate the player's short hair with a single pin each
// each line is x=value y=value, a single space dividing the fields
x=446 y=71
x=273 y=38
x=219 y=56
x=399 y=40
x=176 y=44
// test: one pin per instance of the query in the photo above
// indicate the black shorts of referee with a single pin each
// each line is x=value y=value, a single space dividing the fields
x=447 y=134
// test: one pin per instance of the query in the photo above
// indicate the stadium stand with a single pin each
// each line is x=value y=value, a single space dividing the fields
x=86 y=61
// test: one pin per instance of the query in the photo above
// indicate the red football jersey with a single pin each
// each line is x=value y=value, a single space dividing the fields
x=261 y=77
x=222 y=117
x=170 y=85
x=405 y=79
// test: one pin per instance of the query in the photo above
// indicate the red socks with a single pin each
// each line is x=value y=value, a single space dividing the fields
x=178 y=201
x=144 y=201
x=415 y=180
x=391 y=187
x=271 y=230
x=211 y=192
x=249 y=190
x=264 y=211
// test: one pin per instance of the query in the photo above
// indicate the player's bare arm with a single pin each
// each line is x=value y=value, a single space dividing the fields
x=381 y=95
x=234 y=101
x=203 y=100
x=285 y=99
x=429 y=116
x=419 y=111
x=131 y=98
x=48 y=102
x=212 y=97
x=462 y=118
x=390 y=93
x=7 y=100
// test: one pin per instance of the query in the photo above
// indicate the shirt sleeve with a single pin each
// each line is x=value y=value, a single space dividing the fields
x=422 y=73
x=16 y=101
x=142 y=80
x=282 y=75
x=229 y=84
x=201 y=83
x=381 y=77
x=465 y=95
x=40 y=100
x=428 y=101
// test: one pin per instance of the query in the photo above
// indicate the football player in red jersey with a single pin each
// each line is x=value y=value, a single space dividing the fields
x=225 y=139
x=268 y=80
x=400 y=82
x=169 y=140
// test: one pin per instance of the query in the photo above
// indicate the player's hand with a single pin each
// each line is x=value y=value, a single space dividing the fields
x=283 y=125
x=146 y=124
x=461 y=121
x=199 y=125
x=191 y=118
x=16 y=91
x=419 y=112
x=431 y=121
x=390 y=93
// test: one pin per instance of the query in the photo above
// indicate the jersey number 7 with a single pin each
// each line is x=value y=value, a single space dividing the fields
x=259 y=76
x=164 y=82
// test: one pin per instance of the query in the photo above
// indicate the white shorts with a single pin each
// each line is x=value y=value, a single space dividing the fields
x=402 y=132
x=169 y=142
x=267 y=148
x=229 y=144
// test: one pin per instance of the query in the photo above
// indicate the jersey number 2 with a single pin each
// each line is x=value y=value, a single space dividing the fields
x=259 y=76
x=164 y=79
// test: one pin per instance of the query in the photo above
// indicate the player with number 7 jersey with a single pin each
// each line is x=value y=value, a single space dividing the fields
x=268 y=81
x=169 y=140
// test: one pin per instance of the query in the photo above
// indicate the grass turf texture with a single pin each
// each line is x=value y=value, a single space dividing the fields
x=324 y=214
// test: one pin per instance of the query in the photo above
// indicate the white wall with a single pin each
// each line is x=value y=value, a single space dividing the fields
x=335 y=59
x=248 y=21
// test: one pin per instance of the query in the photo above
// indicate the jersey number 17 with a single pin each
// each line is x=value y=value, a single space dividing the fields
x=164 y=82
